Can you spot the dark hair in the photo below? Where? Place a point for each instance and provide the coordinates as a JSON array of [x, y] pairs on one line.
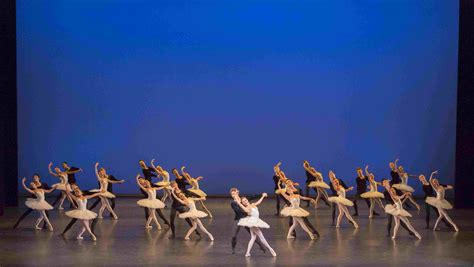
[[64, 162], [174, 169], [35, 174], [384, 179], [358, 169]]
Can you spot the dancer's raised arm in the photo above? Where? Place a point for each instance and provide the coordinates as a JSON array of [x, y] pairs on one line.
[[50, 171], [138, 182], [396, 165], [367, 170], [25, 187], [96, 166], [264, 195]]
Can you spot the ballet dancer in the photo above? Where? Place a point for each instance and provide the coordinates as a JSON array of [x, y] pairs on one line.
[[193, 214], [318, 185], [342, 202], [361, 182], [403, 185], [82, 213], [40, 185], [103, 173], [71, 172], [239, 214], [279, 187], [253, 222], [332, 178], [296, 212], [394, 173], [151, 203], [194, 182], [429, 192], [439, 202], [165, 183], [373, 195], [398, 213], [389, 201], [177, 207], [104, 194], [63, 186], [39, 203]]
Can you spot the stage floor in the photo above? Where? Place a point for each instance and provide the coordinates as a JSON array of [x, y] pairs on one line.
[[126, 242]]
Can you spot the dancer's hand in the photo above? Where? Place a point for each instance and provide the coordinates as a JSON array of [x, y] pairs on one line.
[[264, 195], [96, 164], [50, 164], [24, 179]]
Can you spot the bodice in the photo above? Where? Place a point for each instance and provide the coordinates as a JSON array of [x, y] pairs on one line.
[[254, 212], [82, 204], [166, 177], [373, 186], [295, 202], [151, 194], [63, 178], [194, 183], [341, 193], [440, 193], [104, 182], [191, 204], [404, 178], [39, 195]]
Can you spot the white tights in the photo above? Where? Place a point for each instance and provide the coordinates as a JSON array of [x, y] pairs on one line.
[[254, 233]]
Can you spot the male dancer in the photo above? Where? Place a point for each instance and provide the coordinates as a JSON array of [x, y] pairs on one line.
[[394, 174], [177, 206], [429, 192], [39, 184], [388, 200], [361, 182], [239, 214], [310, 178], [71, 173]]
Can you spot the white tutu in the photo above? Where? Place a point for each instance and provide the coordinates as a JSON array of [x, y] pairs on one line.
[[36, 204], [198, 192], [294, 212], [280, 191], [62, 187], [392, 210], [404, 188], [342, 200], [318, 184], [444, 204], [373, 194], [81, 214], [106, 194], [252, 222], [151, 203], [193, 214], [160, 184]]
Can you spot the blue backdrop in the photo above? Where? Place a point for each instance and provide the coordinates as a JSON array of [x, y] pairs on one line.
[[229, 88]]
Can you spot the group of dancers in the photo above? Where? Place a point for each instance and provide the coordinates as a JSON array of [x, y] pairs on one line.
[[184, 193]]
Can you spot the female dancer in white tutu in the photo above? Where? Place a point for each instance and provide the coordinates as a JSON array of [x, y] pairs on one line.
[[193, 214], [151, 203], [82, 213], [39, 203], [165, 183], [341, 201], [403, 186], [296, 212], [194, 182], [398, 213], [319, 185], [253, 222], [439, 202], [104, 194], [63, 185], [373, 195]]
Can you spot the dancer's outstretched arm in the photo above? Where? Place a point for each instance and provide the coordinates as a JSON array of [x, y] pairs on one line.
[[50, 190], [396, 165], [25, 187], [96, 166], [50, 171], [264, 195], [138, 183]]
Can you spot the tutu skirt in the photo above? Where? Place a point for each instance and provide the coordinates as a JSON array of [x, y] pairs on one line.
[[294, 212], [198, 192], [318, 184], [373, 194], [280, 191], [160, 184], [62, 187], [192, 214], [34, 204], [106, 194], [252, 222], [151, 203], [404, 188], [392, 210], [341, 200], [444, 204], [81, 214]]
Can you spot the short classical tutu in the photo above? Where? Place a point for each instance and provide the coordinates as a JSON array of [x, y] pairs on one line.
[[106, 194], [81, 214], [252, 222], [151, 203], [193, 214], [392, 210], [318, 184], [294, 212], [444, 204], [62, 187], [372, 195], [160, 184], [280, 191], [404, 187], [35, 204], [342, 200], [198, 192]]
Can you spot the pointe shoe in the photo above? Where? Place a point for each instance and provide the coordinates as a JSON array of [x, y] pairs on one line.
[[148, 227], [211, 237], [116, 217], [60, 208], [37, 227], [94, 238], [79, 238], [100, 217], [247, 255], [290, 237], [338, 226], [186, 238], [456, 229], [311, 236], [273, 253], [370, 216], [393, 237], [50, 228], [418, 236], [356, 226]]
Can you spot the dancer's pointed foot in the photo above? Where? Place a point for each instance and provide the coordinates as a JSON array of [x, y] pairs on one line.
[[273, 252], [247, 255], [79, 237], [94, 238], [148, 227], [290, 237], [37, 227]]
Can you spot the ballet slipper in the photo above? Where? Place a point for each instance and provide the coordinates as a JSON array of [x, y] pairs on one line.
[[149, 227], [273, 252], [60, 208], [94, 238], [37, 228], [290, 237], [80, 238], [211, 237], [311, 236], [247, 255], [186, 238]]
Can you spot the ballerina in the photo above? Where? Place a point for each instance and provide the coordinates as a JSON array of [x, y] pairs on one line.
[[403, 185], [104, 194], [39, 203], [193, 214], [342, 202], [253, 222], [397, 211], [429, 192], [373, 195], [439, 202], [63, 186], [151, 203], [194, 182], [82, 213], [318, 185], [296, 212], [165, 183]]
